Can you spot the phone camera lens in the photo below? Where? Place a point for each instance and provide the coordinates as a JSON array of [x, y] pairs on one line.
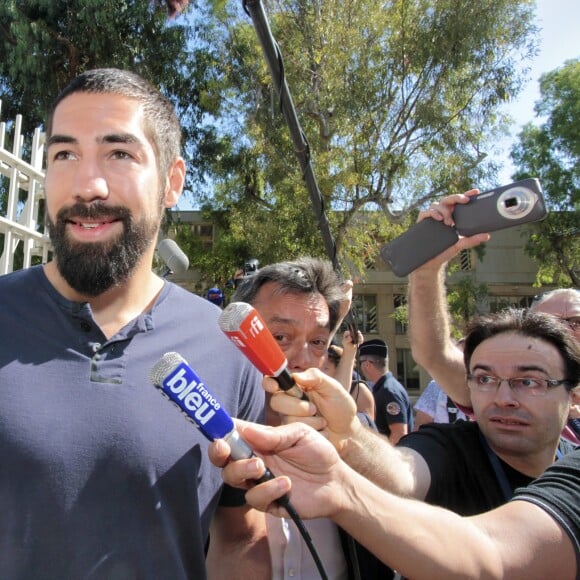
[[511, 202], [516, 203]]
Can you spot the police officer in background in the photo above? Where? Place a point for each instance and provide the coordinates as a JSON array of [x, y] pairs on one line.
[[393, 411]]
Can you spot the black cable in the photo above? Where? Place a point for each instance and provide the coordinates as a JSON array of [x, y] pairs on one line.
[[284, 502], [275, 62]]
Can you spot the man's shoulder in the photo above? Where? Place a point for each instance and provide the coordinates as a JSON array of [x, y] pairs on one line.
[[459, 434], [566, 447], [20, 277], [390, 383], [184, 303], [178, 292], [190, 324], [21, 288], [448, 447]]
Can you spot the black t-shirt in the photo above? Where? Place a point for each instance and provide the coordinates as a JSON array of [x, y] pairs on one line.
[[462, 476]]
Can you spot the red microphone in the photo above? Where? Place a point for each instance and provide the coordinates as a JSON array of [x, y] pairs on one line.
[[244, 326]]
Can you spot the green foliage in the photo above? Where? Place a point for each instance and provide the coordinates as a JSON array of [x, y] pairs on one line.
[[46, 43], [462, 298], [551, 151], [401, 314], [398, 101]]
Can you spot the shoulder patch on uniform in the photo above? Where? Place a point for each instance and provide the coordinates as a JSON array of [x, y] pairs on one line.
[[393, 409]]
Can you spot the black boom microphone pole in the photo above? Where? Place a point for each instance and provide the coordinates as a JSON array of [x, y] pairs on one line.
[[275, 62]]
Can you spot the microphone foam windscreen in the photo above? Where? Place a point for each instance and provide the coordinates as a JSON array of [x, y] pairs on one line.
[[233, 315], [168, 362], [173, 256]]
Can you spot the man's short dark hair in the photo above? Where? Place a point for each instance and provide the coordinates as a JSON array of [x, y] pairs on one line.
[[527, 323], [161, 123], [302, 276]]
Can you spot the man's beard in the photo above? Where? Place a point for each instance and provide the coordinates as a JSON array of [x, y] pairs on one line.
[[91, 268]]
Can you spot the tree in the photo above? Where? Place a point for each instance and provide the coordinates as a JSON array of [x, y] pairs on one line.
[[46, 43], [551, 151], [399, 101], [463, 298]]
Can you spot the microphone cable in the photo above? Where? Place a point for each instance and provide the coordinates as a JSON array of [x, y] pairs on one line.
[[284, 502], [172, 375]]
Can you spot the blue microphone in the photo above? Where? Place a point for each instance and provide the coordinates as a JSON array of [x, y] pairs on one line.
[[179, 383]]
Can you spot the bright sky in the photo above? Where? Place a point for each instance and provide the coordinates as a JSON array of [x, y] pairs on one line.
[[559, 21]]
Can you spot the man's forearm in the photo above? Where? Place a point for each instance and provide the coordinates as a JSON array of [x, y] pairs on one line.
[[344, 368], [422, 541], [430, 333], [412, 537], [398, 470]]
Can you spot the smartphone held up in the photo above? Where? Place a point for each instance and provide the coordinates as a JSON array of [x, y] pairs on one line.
[[504, 207]]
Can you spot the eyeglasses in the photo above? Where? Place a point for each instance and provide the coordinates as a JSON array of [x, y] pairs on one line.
[[522, 385], [573, 323]]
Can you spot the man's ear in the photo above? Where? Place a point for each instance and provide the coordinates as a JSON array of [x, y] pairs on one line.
[[175, 182]]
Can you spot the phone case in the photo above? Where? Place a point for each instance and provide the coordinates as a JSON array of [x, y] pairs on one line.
[[504, 207], [419, 244], [507, 206]]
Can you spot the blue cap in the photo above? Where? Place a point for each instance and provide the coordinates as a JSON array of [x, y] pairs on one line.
[[216, 296]]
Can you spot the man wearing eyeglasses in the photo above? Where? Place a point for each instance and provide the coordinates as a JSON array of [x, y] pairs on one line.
[[429, 327], [524, 372]]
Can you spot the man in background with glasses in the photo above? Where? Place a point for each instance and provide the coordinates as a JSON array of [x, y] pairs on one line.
[[524, 372], [429, 323], [432, 345]]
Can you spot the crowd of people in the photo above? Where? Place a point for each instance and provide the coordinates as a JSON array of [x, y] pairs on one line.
[[508, 477], [102, 478], [510, 463]]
